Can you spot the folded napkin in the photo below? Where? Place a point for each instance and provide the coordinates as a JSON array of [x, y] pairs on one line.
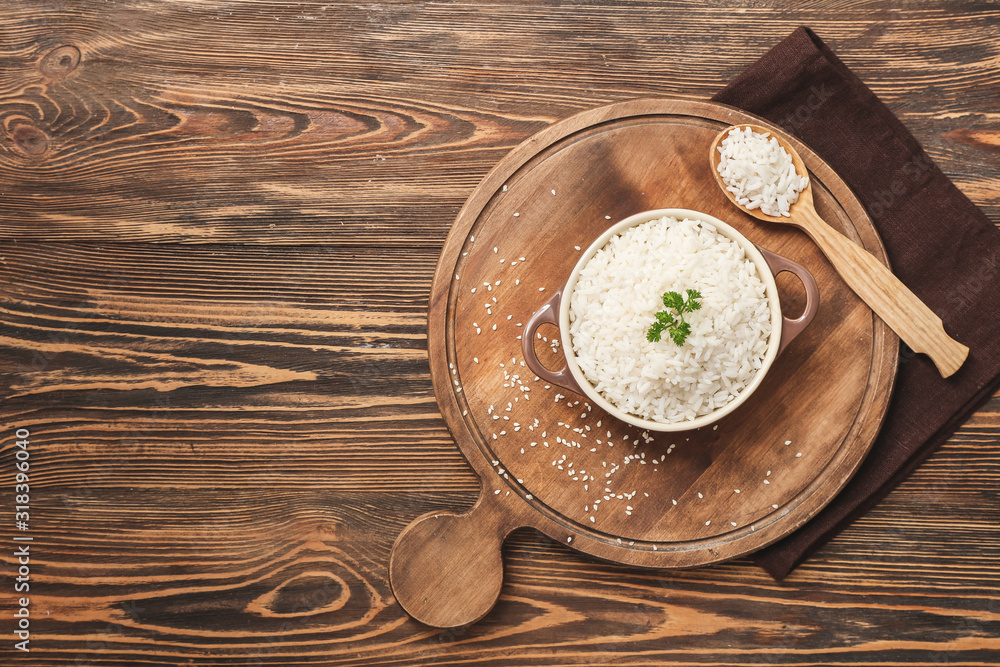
[[939, 244]]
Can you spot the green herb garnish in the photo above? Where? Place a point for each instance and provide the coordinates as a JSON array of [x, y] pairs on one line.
[[672, 323]]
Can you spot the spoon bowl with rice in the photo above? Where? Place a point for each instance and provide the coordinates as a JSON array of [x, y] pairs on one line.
[[764, 176]]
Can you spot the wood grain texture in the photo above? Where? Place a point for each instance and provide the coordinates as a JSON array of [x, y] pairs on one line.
[[219, 226]]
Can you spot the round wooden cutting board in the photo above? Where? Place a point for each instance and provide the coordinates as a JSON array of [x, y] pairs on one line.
[[549, 460]]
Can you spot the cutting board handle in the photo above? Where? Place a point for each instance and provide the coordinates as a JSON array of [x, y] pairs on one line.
[[446, 568], [547, 314]]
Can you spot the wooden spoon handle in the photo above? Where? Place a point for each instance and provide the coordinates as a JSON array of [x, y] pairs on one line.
[[901, 309]]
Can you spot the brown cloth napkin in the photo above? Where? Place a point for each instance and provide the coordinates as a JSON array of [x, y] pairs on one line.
[[939, 244]]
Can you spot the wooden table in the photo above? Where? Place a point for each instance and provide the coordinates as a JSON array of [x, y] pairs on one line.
[[220, 221]]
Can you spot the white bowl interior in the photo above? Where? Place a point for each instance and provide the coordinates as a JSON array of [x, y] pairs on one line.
[[763, 271]]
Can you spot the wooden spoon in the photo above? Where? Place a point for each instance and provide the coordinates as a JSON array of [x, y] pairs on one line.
[[907, 315]]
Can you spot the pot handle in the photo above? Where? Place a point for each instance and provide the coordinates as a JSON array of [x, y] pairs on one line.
[[790, 328], [547, 314]]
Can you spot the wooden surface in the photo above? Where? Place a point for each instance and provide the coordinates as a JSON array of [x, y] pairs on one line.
[[220, 224], [573, 471]]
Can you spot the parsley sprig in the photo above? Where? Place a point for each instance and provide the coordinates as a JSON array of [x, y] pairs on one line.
[[673, 322]]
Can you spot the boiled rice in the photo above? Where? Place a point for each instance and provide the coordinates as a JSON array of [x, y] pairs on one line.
[[759, 172], [620, 289]]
